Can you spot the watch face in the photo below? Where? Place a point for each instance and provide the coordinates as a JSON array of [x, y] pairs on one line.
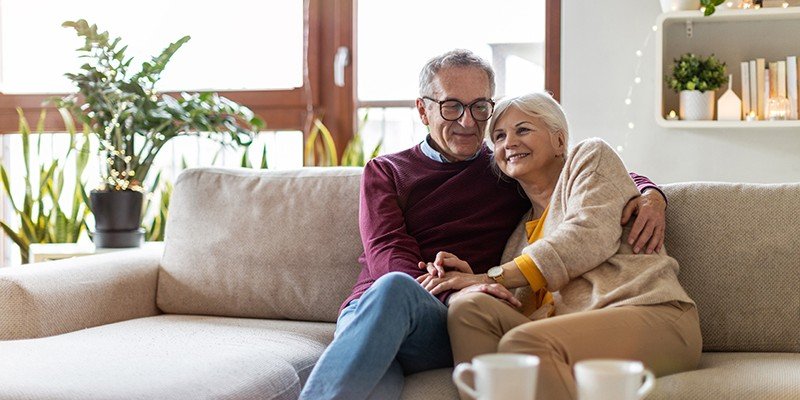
[[494, 272]]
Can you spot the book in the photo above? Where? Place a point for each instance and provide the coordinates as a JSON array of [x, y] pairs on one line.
[[753, 87], [745, 87], [773, 80], [760, 68], [781, 79], [765, 94], [791, 83]]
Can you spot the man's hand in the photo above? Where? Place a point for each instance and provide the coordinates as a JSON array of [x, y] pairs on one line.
[[495, 289], [648, 228], [445, 261], [451, 280]]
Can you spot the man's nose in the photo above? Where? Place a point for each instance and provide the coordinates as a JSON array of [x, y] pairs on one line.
[[466, 119]]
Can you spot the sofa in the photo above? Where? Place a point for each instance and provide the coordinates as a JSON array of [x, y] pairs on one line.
[[243, 298]]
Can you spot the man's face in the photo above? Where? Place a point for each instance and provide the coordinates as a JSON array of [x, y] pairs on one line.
[[456, 140]]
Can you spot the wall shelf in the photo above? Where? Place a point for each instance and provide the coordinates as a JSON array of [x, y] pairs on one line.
[[732, 36]]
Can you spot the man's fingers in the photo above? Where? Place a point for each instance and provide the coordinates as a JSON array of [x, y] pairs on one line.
[[440, 288], [422, 278], [636, 230], [655, 241], [628, 211], [458, 264], [644, 237]]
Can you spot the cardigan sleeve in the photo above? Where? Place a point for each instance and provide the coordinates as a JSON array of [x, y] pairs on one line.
[[596, 189]]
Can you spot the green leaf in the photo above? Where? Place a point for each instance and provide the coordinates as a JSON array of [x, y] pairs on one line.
[[22, 242], [7, 187], [264, 164]]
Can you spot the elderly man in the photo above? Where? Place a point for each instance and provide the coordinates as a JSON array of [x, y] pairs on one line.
[[440, 195]]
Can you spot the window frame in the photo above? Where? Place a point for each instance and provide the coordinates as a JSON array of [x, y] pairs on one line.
[[329, 25]]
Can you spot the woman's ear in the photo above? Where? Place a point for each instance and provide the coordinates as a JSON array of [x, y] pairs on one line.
[[423, 114], [560, 143]]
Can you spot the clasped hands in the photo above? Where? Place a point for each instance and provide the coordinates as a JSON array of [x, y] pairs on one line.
[[448, 272]]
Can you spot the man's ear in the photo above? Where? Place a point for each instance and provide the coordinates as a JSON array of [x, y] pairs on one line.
[[423, 112]]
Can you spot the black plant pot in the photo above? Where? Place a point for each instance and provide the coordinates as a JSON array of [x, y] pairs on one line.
[[118, 216]]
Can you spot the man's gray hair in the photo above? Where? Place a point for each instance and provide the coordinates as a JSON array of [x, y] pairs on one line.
[[454, 58]]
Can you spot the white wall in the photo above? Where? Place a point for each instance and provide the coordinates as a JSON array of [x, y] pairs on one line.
[[598, 61]]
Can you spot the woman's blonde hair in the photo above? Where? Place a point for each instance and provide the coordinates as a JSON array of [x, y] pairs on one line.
[[541, 105]]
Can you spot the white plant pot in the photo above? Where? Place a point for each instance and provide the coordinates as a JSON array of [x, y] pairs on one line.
[[697, 105], [679, 5]]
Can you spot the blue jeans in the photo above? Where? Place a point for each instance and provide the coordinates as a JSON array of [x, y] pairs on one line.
[[396, 328]]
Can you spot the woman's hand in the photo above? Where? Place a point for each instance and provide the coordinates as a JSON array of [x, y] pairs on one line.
[[443, 262], [648, 228], [451, 280], [495, 289]]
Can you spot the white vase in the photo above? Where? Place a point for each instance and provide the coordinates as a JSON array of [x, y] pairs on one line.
[[679, 5], [696, 105]]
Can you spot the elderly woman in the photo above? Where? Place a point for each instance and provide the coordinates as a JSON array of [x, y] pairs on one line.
[[589, 295]]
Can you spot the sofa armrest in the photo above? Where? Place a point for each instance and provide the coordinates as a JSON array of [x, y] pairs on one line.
[[50, 298]]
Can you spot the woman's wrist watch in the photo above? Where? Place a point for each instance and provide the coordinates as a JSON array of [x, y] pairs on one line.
[[496, 273]]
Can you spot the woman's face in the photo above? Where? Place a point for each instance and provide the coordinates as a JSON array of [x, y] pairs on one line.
[[524, 146]]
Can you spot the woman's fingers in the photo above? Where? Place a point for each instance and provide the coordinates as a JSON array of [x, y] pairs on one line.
[[500, 291]]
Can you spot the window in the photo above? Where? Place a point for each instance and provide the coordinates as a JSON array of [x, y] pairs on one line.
[[230, 49], [508, 33]]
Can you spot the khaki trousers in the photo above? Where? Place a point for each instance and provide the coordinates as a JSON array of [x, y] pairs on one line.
[[665, 337]]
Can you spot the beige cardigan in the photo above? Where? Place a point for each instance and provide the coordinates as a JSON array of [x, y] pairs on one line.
[[581, 255]]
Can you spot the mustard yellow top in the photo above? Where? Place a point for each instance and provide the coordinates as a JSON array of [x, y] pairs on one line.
[[529, 268]]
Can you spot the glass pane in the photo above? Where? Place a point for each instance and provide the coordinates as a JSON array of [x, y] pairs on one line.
[[234, 44], [509, 33]]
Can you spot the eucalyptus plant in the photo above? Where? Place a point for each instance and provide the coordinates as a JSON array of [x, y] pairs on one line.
[[691, 72], [133, 121], [41, 218]]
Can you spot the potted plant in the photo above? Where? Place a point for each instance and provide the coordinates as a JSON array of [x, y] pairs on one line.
[[133, 122], [695, 79]]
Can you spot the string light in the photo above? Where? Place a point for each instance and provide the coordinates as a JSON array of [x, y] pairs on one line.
[[637, 79], [785, 4]]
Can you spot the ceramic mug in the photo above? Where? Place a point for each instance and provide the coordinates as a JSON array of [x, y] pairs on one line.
[[499, 376], [613, 380]]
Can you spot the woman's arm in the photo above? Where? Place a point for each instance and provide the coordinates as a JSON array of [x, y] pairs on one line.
[[594, 190]]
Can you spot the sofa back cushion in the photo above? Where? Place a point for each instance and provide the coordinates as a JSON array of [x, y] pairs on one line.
[[261, 244], [738, 246]]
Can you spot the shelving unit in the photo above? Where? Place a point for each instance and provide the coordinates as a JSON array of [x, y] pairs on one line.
[[732, 36]]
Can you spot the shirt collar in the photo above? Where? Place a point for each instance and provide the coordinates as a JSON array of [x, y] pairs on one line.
[[434, 155]]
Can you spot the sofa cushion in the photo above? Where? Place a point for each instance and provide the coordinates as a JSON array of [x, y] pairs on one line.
[[773, 376], [261, 244], [435, 384], [186, 357], [738, 249]]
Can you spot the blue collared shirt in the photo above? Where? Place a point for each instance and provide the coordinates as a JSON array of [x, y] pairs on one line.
[[434, 155]]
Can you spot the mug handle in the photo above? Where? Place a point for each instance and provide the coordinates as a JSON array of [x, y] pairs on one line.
[[458, 372], [648, 384]]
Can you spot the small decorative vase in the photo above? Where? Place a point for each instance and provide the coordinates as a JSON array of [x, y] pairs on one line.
[[679, 5], [697, 105]]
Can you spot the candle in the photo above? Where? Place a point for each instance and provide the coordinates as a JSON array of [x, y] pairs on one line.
[[672, 116]]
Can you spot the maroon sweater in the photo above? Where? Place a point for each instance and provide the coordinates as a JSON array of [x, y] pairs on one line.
[[413, 207]]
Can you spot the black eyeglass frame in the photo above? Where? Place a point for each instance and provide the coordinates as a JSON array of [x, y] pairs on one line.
[[464, 108]]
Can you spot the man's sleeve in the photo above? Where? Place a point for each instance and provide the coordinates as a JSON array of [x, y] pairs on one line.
[[387, 245], [643, 183]]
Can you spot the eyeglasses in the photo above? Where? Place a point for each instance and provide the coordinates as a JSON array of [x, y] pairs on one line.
[[452, 110]]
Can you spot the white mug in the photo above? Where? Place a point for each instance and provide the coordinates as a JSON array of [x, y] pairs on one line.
[[613, 380], [500, 376]]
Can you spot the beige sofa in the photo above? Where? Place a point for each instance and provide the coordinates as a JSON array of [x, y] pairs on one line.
[[244, 297]]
